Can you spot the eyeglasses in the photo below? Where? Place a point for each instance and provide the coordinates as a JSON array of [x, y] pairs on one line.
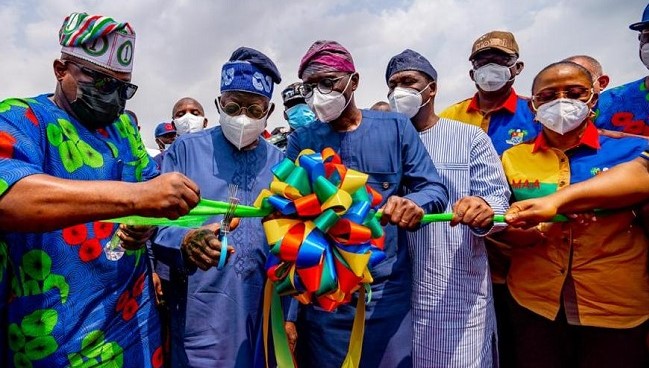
[[493, 58], [106, 84], [254, 111], [324, 85], [574, 93]]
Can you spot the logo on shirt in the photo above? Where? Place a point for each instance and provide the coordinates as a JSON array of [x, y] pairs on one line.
[[596, 170], [525, 184], [516, 136]]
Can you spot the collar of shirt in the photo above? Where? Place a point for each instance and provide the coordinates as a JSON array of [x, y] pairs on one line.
[[590, 138], [509, 104]]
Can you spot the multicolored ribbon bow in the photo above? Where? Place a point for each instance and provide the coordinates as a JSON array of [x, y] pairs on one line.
[[327, 236]]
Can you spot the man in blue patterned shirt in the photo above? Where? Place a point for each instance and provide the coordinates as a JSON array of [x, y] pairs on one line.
[[67, 161]]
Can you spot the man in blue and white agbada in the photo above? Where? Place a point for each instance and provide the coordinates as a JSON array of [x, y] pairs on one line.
[[452, 306], [216, 313]]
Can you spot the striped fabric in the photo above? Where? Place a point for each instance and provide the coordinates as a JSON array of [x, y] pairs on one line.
[[79, 28], [452, 306]]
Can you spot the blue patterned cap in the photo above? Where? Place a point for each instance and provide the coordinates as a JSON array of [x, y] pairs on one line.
[[409, 60], [249, 70]]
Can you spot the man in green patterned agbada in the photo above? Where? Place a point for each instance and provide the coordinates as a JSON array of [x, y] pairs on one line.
[[67, 161]]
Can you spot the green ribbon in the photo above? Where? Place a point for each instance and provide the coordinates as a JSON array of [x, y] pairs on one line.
[[207, 208]]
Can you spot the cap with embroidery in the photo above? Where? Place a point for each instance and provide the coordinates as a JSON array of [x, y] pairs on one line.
[[98, 39], [249, 70], [164, 128], [500, 40], [291, 94]]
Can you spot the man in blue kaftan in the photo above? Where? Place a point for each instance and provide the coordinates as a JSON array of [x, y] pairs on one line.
[[386, 147], [216, 313]]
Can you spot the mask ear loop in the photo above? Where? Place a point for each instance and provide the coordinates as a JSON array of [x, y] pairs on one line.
[[429, 98], [345, 89]]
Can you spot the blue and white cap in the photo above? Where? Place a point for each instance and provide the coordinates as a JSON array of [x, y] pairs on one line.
[[249, 70]]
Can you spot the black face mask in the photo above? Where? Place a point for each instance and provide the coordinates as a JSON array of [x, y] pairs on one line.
[[96, 109]]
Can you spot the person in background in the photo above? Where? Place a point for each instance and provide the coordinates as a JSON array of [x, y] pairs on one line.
[[381, 106], [507, 119], [579, 290], [69, 160], [296, 113], [600, 79], [165, 135], [454, 323], [215, 313], [387, 148], [188, 116], [625, 108]]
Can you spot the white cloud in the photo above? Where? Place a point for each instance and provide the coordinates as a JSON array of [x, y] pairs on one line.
[[181, 45]]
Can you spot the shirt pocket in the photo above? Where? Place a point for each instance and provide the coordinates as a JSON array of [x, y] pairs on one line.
[[385, 183]]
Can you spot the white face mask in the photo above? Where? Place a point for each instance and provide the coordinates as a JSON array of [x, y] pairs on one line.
[[330, 106], [563, 115], [492, 77], [644, 54], [241, 130], [406, 100], [189, 123]]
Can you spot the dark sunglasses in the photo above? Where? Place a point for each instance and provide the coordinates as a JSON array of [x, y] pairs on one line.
[[324, 85], [254, 111], [106, 84]]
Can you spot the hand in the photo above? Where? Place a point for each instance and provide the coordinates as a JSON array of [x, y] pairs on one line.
[[472, 211], [401, 212], [169, 195], [134, 237], [583, 218], [157, 287], [530, 212], [203, 247], [291, 334]]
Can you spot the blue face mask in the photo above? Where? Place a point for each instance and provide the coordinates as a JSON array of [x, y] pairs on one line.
[[299, 116]]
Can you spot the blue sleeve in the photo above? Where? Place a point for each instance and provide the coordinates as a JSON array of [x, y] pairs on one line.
[[21, 143], [168, 239], [293, 147], [488, 179], [419, 174], [290, 307]]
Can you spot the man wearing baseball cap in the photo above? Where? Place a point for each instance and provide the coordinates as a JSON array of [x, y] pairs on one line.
[[296, 113], [165, 135], [625, 108], [508, 121], [67, 161]]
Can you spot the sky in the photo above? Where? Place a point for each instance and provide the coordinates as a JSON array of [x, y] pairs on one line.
[[182, 44]]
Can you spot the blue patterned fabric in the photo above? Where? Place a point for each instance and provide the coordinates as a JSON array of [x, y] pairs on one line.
[[63, 302], [216, 314], [624, 108]]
